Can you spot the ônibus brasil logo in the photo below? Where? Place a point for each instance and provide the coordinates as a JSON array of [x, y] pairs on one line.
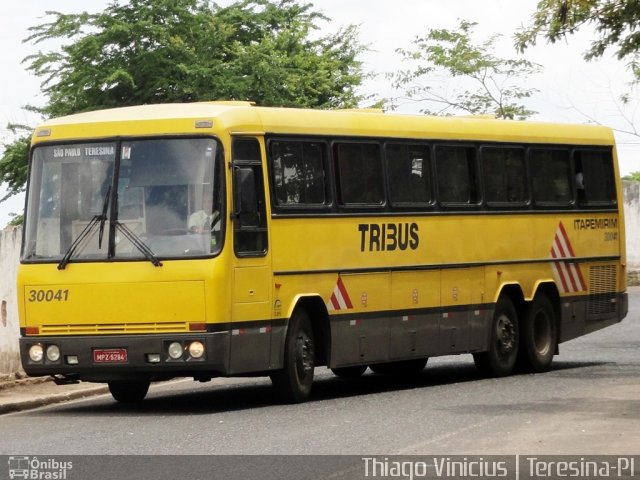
[[33, 468]]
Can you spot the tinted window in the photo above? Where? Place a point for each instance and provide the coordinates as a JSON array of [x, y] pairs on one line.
[[246, 149], [250, 224], [594, 177], [504, 175], [456, 175], [408, 173], [551, 176], [298, 173], [359, 173]]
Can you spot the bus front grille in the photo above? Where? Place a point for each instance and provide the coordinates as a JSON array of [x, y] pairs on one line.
[[113, 328]]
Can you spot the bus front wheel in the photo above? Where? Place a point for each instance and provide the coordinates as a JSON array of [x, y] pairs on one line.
[[293, 382], [129, 391], [501, 357], [539, 336]]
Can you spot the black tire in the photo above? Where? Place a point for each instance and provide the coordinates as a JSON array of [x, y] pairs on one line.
[[129, 391], [293, 383], [539, 336], [349, 372], [403, 367], [500, 359]]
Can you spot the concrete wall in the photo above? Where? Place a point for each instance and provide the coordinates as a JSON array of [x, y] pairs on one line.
[[10, 253], [9, 326], [632, 226]]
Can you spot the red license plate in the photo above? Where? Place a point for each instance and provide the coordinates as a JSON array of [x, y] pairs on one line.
[[110, 355]]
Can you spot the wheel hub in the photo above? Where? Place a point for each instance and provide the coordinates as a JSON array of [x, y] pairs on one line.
[[304, 356], [506, 334]]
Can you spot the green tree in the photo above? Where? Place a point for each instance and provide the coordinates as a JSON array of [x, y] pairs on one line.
[[634, 176], [161, 51], [453, 54], [616, 23], [617, 28], [13, 163]]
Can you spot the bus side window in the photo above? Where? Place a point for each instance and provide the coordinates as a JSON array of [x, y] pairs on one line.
[[409, 174], [359, 173], [504, 175], [456, 170], [298, 170], [594, 177], [551, 175]]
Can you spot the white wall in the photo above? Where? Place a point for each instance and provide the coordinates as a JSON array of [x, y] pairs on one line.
[[10, 254], [632, 226], [9, 326]]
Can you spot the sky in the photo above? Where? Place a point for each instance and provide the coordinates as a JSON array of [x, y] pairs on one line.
[[570, 89]]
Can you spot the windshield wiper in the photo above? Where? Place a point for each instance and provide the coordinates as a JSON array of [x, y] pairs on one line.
[[102, 218], [139, 244]]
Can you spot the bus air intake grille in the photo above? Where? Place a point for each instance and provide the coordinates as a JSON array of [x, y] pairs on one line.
[[113, 328], [602, 288]]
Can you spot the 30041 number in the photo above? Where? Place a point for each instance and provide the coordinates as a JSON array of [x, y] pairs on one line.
[[48, 295]]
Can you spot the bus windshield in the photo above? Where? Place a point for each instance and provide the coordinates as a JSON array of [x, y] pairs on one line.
[[165, 200]]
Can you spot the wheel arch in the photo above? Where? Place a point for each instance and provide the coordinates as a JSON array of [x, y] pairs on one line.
[[514, 292], [319, 316]]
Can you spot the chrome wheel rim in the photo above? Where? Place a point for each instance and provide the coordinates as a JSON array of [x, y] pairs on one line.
[[304, 356], [505, 334]]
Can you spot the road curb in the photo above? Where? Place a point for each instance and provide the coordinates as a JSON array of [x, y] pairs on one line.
[[10, 382], [28, 404]]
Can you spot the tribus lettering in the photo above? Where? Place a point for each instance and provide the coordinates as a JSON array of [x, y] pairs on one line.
[[388, 236]]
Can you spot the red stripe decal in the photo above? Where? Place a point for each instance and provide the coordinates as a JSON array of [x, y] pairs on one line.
[[566, 239], [334, 302], [558, 268], [583, 284], [343, 292], [572, 277]]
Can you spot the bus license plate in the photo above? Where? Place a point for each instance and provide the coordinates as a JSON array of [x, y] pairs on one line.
[[110, 355]]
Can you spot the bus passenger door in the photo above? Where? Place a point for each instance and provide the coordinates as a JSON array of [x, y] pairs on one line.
[[250, 310]]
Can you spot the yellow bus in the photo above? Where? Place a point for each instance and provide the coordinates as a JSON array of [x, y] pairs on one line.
[[222, 239]]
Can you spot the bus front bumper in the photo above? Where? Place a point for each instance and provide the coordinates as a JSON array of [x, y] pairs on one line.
[[101, 358]]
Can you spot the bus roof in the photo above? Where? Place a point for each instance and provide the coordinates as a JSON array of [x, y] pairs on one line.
[[244, 117]]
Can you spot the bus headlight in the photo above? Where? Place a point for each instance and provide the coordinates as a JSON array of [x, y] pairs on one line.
[[196, 349], [53, 353], [36, 353], [175, 350]]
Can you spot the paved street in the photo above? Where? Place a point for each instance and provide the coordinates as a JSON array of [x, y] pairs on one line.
[[588, 404]]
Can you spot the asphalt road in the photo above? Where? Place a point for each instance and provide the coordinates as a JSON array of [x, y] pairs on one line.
[[588, 404]]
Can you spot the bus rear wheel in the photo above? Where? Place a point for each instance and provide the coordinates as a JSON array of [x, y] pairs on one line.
[[293, 383], [349, 372], [126, 391], [539, 336], [501, 357]]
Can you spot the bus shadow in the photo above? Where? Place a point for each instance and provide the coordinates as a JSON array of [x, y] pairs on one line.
[[260, 394]]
